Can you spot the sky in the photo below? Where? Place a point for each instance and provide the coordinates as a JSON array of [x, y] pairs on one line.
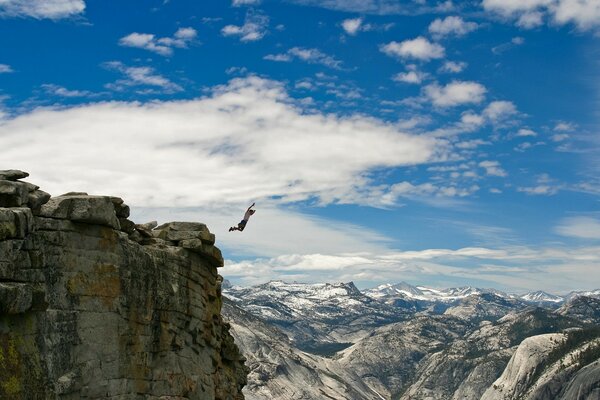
[[440, 143]]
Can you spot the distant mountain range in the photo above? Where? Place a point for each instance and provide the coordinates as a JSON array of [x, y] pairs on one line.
[[333, 341]]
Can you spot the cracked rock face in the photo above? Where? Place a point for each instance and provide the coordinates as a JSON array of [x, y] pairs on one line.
[[92, 306]]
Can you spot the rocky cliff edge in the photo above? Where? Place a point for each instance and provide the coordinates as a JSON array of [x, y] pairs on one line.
[[94, 306]]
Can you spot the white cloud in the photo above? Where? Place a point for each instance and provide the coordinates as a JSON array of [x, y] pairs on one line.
[[580, 227], [453, 67], [352, 26], [498, 110], [42, 9], [246, 141], [543, 190], [565, 127], [419, 48], [509, 267], [139, 76], [451, 26], [455, 93], [254, 28], [532, 19], [311, 56], [525, 132], [559, 137], [5, 69], [585, 14], [238, 3], [162, 46], [492, 168], [414, 77], [63, 92]]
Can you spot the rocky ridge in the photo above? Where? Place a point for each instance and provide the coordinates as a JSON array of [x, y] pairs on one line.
[[93, 305]]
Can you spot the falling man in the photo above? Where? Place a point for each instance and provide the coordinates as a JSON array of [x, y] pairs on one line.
[[244, 221]]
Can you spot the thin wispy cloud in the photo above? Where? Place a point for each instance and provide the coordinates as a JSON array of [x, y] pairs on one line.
[[311, 56], [582, 227], [5, 69], [61, 91], [352, 26], [163, 46], [139, 76], [254, 27], [42, 9], [239, 3], [509, 267], [451, 26], [492, 168], [453, 67]]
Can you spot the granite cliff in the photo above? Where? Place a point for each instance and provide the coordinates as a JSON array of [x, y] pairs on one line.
[[94, 306]]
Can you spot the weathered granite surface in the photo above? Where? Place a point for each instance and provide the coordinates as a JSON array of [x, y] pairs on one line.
[[93, 306]]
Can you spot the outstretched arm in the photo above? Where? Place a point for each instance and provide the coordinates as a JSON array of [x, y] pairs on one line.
[[250, 207]]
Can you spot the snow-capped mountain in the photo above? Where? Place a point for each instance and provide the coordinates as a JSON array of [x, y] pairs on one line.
[[378, 349], [588, 293], [542, 298], [423, 293], [318, 317]]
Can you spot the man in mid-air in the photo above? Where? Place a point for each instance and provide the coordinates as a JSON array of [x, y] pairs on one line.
[[244, 221]]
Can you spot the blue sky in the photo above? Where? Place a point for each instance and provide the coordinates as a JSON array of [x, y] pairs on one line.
[[435, 142]]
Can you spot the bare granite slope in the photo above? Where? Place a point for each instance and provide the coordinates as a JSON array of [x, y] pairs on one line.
[[93, 306]]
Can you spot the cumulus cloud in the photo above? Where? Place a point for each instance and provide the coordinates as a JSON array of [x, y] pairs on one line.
[[451, 26], [139, 76], [311, 56], [254, 28], [419, 48], [5, 69], [498, 110], [413, 75], [163, 46], [585, 14], [492, 168], [244, 141], [42, 9], [455, 93], [580, 227], [453, 67], [525, 132], [352, 26]]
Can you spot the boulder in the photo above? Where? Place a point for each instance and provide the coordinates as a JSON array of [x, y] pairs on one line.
[[177, 231], [147, 226], [211, 253], [13, 194], [121, 208], [183, 226], [12, 174], [82, 208], [37, 198]]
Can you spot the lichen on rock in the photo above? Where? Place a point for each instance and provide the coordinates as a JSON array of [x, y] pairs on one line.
[[93, 305]]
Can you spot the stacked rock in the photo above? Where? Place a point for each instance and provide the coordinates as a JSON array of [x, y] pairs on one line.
[[15, 193]]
